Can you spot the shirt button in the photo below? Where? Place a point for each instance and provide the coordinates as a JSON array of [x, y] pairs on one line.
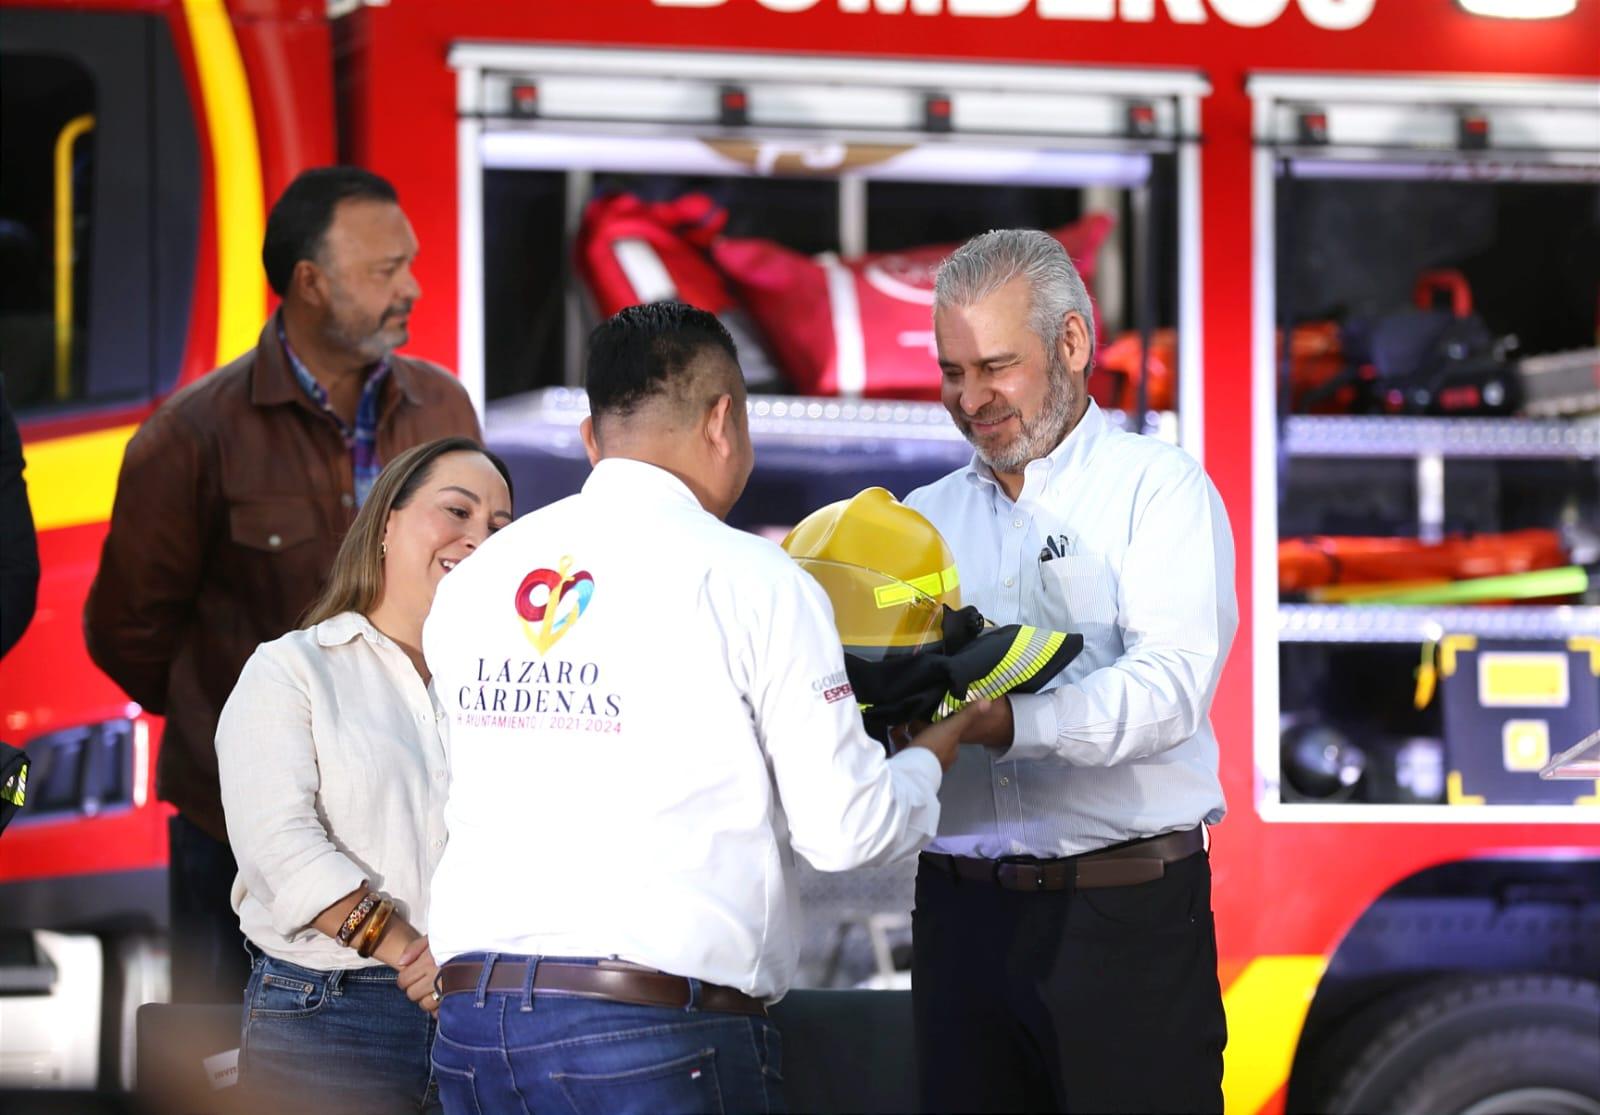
[[1010, 581], [274, 540], [1016, 522], [439, 775], [1004, 781], [348, 500], [437, 844]]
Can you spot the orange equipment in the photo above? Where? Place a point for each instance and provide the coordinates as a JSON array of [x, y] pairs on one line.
[[1308, 563]]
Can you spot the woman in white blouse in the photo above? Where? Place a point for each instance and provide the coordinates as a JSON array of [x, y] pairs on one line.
[[333, 774]]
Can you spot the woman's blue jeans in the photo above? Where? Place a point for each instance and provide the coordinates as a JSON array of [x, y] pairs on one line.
[[343, 1041], [500, 1052]]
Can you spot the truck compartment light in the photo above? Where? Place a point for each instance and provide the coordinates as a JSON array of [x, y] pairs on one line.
[[733, 106], [525, 99], [1472, 131], [1141, 116], [1311, 127]]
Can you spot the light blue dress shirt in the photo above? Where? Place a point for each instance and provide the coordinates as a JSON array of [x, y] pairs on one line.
[[1124, 540]]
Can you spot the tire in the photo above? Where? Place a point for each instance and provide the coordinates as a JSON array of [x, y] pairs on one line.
[[1508, 1045]]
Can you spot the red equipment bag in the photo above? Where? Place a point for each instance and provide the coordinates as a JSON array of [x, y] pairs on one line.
[[631, 251], [834, 326], [860, 326]]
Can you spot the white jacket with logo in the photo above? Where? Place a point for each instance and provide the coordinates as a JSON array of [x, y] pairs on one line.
[[648, 718]]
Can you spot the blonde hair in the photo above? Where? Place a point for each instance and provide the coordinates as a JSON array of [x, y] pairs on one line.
[[356, 579]]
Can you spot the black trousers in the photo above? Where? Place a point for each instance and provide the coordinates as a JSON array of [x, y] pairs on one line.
[[209, 963], [1098, 1000]]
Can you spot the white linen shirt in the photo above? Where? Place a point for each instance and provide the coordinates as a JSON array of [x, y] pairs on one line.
[[632, 775], [1140, 563], [333, 772]]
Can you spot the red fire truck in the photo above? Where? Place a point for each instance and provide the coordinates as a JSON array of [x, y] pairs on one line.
[[1409, 917]]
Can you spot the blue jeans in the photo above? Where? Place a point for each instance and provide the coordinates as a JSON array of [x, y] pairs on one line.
[[500, 1052], [343, 1041]]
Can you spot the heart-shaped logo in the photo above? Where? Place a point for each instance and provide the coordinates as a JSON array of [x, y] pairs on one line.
[[550, 602]]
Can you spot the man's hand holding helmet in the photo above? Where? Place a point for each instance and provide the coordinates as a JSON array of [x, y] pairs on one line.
[[912, 652], [990, 723], [945, 738]]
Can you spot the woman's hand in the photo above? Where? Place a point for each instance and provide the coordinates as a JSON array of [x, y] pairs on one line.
[[417, 970]]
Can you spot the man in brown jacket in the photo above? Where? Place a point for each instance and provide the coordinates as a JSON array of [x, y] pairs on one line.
[[233, 498]]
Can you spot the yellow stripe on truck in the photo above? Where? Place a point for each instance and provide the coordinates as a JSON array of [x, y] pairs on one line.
[[236, 170], [1266, 1009], [72, 480]]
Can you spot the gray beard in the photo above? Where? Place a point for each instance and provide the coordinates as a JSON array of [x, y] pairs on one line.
[[372, 347], [1037, 438], [371, 344]]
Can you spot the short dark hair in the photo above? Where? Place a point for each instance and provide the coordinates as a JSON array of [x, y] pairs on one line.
[[640, 351], [302, 214]]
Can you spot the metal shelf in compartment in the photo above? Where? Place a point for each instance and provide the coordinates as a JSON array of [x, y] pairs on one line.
[[1508, 438], [775, 418], [1333, 623]]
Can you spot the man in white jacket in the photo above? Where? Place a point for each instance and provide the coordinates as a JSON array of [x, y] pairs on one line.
[[649, 717]]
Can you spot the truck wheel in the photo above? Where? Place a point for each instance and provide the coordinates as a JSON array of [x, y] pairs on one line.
[[1507, 1045]]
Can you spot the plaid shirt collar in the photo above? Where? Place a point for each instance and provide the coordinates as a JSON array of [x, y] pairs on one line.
[[362, 438]]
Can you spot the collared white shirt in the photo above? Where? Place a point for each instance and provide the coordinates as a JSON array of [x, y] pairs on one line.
[[333, 771], [1124, 540], [632, 773]]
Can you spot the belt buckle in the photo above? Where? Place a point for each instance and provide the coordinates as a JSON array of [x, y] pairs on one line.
[[1022, 876]]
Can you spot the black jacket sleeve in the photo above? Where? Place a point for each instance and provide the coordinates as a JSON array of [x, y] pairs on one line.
[[19, 548]]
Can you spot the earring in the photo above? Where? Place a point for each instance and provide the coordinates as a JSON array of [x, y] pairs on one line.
[[383, 550]]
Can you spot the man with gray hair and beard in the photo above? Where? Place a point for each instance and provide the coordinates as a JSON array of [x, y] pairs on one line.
[[1065, 958]]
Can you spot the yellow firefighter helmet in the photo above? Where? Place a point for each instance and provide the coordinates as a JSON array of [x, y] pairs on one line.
[[885, 568]]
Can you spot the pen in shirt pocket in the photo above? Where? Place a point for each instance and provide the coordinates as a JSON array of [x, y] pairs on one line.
[[1057, 545]]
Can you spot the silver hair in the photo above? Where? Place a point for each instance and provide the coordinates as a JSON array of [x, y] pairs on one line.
[[986, 263]]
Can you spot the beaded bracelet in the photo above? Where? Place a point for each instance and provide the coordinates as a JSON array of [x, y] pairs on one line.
[[356, 916], [375, 927]]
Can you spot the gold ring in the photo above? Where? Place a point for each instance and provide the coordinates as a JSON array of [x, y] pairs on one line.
[[436, 996]]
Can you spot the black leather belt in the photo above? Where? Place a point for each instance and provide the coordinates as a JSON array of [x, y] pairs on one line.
[[1122, 865], [613, 980]]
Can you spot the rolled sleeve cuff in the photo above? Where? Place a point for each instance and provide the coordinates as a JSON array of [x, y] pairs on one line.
[[314, 887], [1036, 726]]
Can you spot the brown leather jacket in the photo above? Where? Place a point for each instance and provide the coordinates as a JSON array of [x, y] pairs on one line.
[[233, 498]]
